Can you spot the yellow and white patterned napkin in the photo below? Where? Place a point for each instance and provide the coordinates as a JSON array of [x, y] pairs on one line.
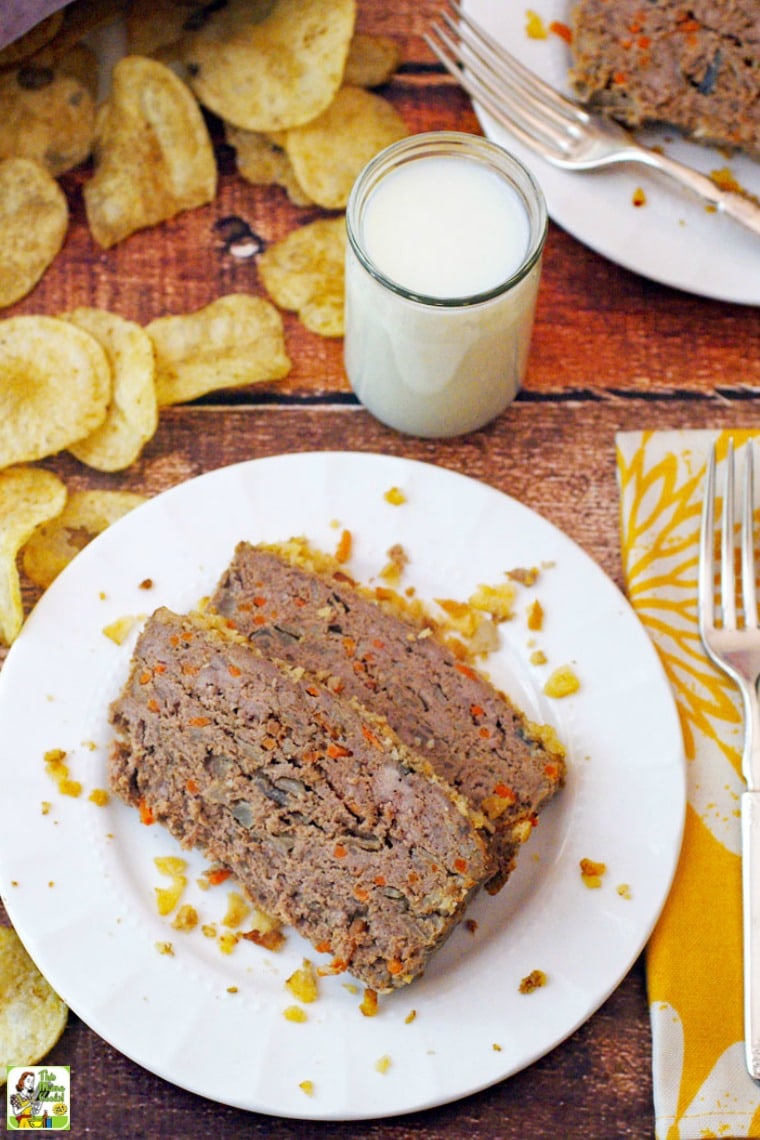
[[694, 967]]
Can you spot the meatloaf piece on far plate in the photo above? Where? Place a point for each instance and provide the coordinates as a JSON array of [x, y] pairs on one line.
[[300, 605], [326, 819], [695, 66]]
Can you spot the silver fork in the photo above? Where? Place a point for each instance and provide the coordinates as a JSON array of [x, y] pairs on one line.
[[731, 636], [557, 128]]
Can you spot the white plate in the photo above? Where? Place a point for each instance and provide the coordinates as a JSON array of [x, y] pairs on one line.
[[78, 881], [672, 239]]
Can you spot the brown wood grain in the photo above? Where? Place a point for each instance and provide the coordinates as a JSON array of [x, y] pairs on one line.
[[611, 352]]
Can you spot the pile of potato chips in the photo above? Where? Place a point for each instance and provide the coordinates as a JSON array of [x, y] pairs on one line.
[[287, 78]]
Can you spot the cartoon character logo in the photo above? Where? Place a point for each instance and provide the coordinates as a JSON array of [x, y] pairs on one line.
[[28, 1109]]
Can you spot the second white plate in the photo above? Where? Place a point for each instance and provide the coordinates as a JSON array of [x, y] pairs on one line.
[[671, 239]]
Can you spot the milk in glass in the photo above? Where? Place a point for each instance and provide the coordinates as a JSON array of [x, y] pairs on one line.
[[445, 235]]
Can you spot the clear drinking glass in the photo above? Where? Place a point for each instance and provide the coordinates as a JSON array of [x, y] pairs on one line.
[[435, 365]]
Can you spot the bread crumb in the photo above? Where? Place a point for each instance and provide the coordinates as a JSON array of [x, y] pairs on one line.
[[57, 768], [368, 1004], [533, 981], [165, 948], [537, 657], [562, 683], [46, 807], [638, 198], [383, 1064], [624, 890], [295, 1013], [592, 873], [535, 615], [99, 796], [167, 898], [307, 1087], [395, 496], [227, 942], [302, 983], [496, 1048], [118, 631], [237, 910], [535, 28], [410, 1017], [186, 918]]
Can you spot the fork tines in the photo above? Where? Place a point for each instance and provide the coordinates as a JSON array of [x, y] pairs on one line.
[[508, 90], [735, 610]]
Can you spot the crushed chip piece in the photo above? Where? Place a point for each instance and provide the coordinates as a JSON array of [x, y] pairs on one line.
[[47, 364], [29, 496], [34, 217], [305, 272], [236, 340], [330, 151], [47, 116], [32, 1015], [153, 153], [85, 514], [132, 415], [269, 64]]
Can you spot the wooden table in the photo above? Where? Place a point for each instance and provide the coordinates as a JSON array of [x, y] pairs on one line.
[[611, 351]]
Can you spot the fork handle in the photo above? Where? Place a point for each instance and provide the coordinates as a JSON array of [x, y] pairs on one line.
[[740, 207], [750, 813]]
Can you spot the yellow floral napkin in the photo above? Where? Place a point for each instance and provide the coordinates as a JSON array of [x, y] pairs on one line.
[[694, 968]]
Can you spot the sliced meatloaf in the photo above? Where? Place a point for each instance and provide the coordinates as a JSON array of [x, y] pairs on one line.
[[325, 818], [694, 65], [302, 607]]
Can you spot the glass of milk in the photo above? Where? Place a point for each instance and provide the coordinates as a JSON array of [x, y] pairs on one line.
[[445, 237]]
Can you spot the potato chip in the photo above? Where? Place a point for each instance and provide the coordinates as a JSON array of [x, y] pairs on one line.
[[234, 341], [262, 162], [268, 64], [85, 515], [159, 26], [328, 153], [305, 272], [47, 116], [372, 60], [80, 17], [55, 384], [34, 217], [30, 42], [29, 496], [153, 154], [132, 416], [81, 62], [32, 1015]]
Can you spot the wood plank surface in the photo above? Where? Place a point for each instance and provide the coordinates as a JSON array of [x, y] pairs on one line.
[[611, 352]]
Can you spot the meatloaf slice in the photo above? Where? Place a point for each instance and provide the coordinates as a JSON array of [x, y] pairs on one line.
[[326, 819], [695, 66], [300, 606]]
